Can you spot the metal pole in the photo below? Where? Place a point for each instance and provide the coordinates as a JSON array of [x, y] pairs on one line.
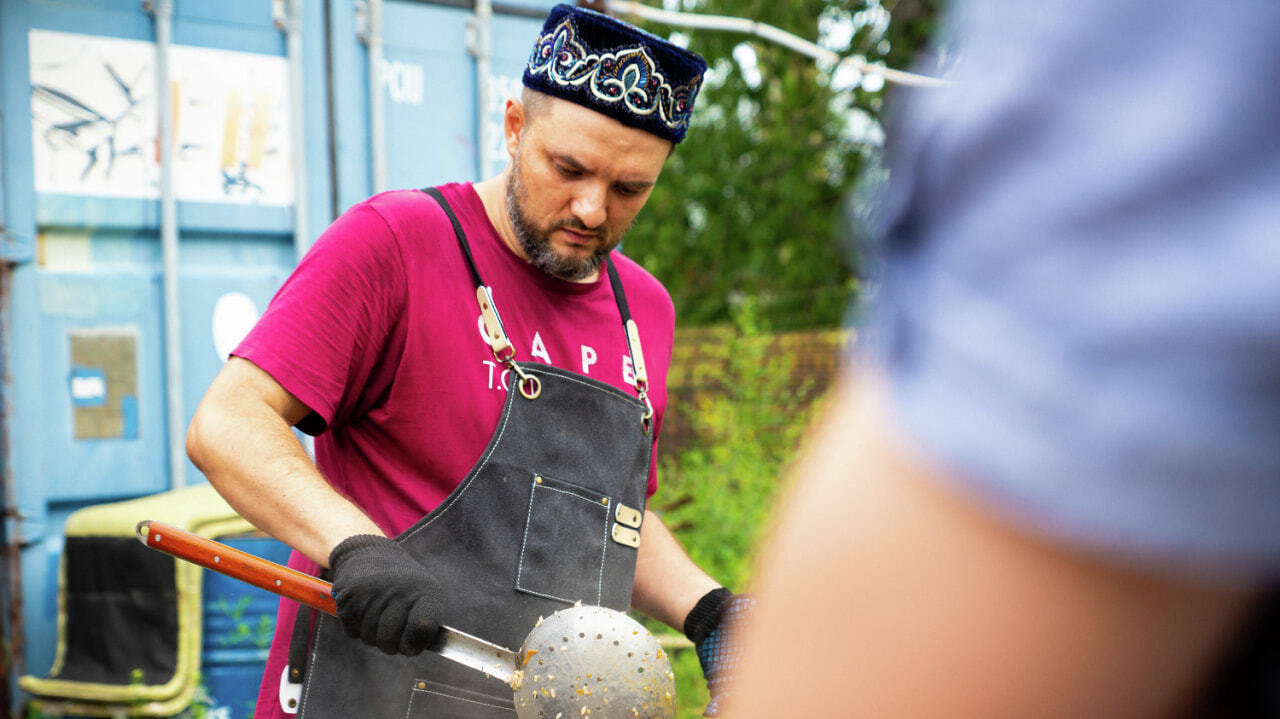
[[767, 32], [12, 633], [162, 15], [483, 50], [292, 27], [377, 105], [11, 561]]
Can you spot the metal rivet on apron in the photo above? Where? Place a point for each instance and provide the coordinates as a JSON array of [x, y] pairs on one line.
[[537, 480], [625, 536], [605, 501], [629, 516], [422, 685]]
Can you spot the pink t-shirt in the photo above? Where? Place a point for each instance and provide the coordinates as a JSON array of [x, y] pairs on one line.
[[379, 333]]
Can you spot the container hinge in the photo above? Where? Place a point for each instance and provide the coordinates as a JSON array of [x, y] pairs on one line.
[[279, 14], [13, 519], [362, 21], [14, 247], [473, 37]]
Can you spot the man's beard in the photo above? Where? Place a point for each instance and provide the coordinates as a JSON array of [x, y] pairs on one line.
[[536, 241]]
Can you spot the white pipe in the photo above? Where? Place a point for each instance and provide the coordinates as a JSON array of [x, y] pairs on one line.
[[483, 51], [377, 103], [162, 15], [771, 33], [297, 126]]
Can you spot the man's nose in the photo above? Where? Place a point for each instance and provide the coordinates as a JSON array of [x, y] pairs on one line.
[[589, 205]]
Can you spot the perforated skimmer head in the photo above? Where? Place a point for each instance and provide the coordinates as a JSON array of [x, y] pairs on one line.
[[593, 662]]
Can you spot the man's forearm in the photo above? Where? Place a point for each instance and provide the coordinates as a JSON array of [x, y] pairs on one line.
[[244, 445], [668, 583]]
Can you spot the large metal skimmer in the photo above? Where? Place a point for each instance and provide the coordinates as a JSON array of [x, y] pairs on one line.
[[582, 661]]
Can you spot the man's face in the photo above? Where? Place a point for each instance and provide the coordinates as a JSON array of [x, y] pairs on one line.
[[577, 180]]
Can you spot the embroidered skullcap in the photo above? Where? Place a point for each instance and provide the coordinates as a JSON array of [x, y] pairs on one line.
[[616, 69]]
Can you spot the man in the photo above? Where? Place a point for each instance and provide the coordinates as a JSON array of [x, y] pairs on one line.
[[473, 365], [1052, 490]]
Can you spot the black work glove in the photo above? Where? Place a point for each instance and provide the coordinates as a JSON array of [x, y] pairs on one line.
[[385, 598], [715, 626]]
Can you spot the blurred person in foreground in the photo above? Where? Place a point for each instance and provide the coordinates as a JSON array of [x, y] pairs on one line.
[[472, 471], [1050, 486]]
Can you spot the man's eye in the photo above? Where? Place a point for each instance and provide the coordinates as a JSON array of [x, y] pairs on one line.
[[568, 171], [626, 191]]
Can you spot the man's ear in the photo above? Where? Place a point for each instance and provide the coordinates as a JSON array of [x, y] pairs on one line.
[[513, 124]]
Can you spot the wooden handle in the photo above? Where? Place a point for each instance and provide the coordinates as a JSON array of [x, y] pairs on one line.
[[218, 557]]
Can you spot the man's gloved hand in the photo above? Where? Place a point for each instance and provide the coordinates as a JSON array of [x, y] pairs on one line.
[[715, 625], [385, 597]]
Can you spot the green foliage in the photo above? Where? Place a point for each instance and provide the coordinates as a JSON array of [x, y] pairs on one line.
[[244, 631], [748, 230], [200, 704], [747, 422], [717, 494], [751, 204]]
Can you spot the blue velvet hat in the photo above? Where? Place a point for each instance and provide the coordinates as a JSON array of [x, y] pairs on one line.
[[616, 69]]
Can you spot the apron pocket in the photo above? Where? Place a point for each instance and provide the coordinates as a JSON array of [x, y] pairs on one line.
[[433, 700], [565, 536]]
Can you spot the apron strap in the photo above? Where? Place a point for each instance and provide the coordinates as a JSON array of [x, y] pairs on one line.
[[298, 643], [295, 671], [457, 232], [633, 344], [505, 352]]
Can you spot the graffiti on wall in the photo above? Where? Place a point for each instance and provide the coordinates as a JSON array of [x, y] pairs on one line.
[[94, 120]]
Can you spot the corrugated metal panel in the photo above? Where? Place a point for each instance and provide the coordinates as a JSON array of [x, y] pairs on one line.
[[431, 107], [85, 387]]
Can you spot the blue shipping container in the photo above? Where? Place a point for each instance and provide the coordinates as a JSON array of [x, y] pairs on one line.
[[114, 321]]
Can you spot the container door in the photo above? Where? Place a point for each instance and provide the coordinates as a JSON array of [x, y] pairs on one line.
[[430, 132], [86, 394]]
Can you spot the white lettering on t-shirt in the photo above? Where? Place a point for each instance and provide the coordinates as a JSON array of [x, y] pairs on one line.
[[628, 372], [588, 358], [493, 375], [539, 349]]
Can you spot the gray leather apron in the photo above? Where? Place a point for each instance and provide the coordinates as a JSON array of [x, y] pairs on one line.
[[548, 516]]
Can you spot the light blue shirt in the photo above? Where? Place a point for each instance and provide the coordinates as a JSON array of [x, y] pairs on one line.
[[1080, 309]]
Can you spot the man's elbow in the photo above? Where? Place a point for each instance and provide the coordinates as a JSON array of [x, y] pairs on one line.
[[200, 445]]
